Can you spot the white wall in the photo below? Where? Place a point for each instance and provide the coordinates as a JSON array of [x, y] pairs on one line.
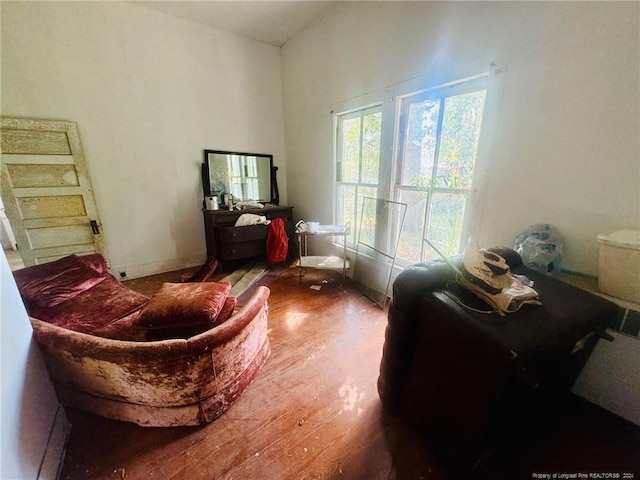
[[566, 149], [149, 92], [31, 424]]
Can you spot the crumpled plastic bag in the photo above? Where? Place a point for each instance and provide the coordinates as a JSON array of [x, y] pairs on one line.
[[540, 247]]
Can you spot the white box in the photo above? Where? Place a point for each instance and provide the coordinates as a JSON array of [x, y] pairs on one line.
[[619, 264]]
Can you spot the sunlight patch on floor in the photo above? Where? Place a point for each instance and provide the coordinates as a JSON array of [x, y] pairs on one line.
[[294, 319]]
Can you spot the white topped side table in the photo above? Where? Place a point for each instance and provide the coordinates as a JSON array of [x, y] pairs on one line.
[[327, 262]]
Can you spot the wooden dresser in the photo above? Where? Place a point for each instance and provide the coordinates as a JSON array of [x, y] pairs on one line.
[[227, 242]]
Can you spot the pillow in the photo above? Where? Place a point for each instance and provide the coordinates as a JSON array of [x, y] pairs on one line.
[[181, 310], [227, 310], [52, 283]]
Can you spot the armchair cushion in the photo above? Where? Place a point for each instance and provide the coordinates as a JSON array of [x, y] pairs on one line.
[[94, 308], [53, 283], [182, 310]]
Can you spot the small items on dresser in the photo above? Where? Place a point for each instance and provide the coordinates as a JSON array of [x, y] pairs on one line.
[[211, 202]]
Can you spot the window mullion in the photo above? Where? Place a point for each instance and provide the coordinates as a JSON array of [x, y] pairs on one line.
[[403, 125], [425, 225], [361, 145], [338, 133], [356, 209], [436, 154]]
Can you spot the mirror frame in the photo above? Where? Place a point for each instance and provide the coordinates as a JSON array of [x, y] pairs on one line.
[[207, 170]]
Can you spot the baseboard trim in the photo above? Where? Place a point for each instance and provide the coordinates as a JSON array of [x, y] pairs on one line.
[[144, 270], [54, 454]]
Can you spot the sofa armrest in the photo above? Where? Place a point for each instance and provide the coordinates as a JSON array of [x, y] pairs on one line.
[[418, 279]]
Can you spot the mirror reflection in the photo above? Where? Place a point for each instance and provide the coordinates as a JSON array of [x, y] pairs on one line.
[[247, 176]]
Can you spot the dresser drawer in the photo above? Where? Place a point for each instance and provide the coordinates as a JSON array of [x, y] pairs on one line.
[[234, 251], [249, 233]]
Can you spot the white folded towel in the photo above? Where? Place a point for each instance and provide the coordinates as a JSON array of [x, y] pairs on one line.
[[251, 219]]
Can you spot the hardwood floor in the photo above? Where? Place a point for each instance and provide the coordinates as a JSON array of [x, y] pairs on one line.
[[312, 412]]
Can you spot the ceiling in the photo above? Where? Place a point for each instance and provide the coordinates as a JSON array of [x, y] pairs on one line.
[[272, 22]]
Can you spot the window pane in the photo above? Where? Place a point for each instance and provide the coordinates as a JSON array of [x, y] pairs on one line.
[[346, 204], [420, 143], [350, 149], [380, 229], [365, 192], [411, 238], [446, 214], [459, 139], [371, 147], [367, 225]]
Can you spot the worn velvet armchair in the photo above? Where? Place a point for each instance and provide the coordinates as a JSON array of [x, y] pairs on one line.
[[181, 357]]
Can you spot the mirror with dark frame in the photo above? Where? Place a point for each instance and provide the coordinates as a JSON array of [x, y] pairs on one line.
[[247, 176]]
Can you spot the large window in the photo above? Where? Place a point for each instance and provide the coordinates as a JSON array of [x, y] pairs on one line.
[[358, 163], [437, 146], [434, 134]]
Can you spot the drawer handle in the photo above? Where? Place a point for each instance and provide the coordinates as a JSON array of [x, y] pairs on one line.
[[233, 252]]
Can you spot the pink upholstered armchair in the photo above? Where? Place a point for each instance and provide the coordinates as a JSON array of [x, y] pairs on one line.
[[170, 360]]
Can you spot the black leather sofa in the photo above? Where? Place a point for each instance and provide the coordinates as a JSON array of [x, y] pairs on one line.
[[469, 382]]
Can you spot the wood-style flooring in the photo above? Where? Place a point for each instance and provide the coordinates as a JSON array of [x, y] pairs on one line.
[[313, 411]]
